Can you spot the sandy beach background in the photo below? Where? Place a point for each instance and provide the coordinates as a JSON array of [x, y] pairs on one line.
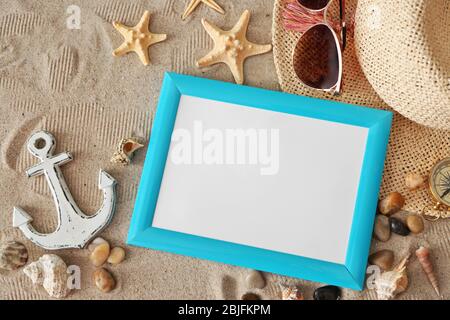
[[68, 83]]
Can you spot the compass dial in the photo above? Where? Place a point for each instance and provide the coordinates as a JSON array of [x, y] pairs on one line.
[[440, 182]]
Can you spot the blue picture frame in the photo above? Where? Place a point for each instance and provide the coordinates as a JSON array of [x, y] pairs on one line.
[[349, 275]]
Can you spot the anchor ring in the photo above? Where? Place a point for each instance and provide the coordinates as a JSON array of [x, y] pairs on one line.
[[41, 144]]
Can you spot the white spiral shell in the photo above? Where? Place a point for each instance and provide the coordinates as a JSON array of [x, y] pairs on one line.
[[391, 283]]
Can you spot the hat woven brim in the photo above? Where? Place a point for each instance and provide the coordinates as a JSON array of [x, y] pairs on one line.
[[412, 147]]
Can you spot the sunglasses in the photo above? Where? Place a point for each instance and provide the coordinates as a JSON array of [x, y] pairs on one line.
[[317, 56]]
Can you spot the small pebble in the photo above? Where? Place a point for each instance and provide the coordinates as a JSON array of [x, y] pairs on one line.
[[100, 254], [414, 181], [95, 243], [393, 202], [384, 259], [116, 256], [327, 293], [104, 280], [382, 229], [415, 223], [250, 296], [398, 227], [255, 280]]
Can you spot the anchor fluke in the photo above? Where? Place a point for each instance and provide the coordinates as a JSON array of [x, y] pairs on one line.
[[105, 180], [20, 217]]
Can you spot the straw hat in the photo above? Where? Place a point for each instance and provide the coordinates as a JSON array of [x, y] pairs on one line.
[[412, 147], [404, 50]]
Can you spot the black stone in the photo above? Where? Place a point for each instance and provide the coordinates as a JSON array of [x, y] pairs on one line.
[[327, 293], [398, 227]]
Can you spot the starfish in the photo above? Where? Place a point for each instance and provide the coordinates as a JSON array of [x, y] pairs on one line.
[[232, 47], [194, 3], [137, 38]]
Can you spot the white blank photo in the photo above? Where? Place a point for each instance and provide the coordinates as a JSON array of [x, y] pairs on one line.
[[261, 178]]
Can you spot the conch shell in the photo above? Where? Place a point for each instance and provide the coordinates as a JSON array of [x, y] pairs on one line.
[[125, 151], [423, 254], [291, 293], [13, 255], [391, 283], [50, 271]]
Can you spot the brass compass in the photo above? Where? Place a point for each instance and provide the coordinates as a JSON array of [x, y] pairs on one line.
[[439, 188]]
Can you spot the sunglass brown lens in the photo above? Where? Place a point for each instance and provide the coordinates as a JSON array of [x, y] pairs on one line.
[[314, 4], [316, 60]]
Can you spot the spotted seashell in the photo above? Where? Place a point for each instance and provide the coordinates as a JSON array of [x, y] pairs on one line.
[[391, 283], [125, 151], [423, 255], [13, 255]]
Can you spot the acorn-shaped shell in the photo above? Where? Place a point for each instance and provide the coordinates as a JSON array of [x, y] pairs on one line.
[[13, 255], [423, 255], [125, 151], [392, 283]]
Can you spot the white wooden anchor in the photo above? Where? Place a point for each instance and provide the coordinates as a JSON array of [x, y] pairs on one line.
[[75, 229]]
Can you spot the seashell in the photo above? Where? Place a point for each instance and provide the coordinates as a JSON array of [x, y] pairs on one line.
[[423, 254], [13, 255], [291, 293], [137, 38], [391, 283], [393, 202], [125, 151], [50, 271], [414, 181]]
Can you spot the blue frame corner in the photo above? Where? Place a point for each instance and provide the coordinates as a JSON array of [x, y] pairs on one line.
[[352, 273]]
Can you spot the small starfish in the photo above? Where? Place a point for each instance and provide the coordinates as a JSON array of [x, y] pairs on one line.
[[232, 47], [194, 3], [137, 38]]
